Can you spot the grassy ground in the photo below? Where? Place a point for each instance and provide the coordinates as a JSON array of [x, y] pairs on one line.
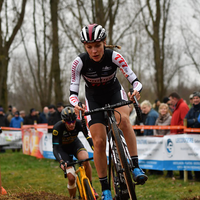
[[22, 173]]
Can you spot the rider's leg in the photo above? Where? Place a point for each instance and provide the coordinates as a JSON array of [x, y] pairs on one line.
[[81, 156], [98, 132], [71, 175], [127, 129], [130, 138]]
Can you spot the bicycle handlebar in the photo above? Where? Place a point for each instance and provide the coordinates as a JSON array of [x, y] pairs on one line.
[[117, 105], [78, 162]]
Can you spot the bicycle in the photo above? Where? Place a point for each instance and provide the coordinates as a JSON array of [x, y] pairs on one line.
[[83, 183], [120, 163]]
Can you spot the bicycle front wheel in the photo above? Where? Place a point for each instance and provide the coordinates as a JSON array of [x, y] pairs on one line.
[[88, 190], [124, 163]]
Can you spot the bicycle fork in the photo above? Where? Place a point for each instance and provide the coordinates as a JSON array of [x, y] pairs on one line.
[[81, 176], [118, 177]]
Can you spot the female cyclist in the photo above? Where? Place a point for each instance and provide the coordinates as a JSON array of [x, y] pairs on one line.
[[98, 67]]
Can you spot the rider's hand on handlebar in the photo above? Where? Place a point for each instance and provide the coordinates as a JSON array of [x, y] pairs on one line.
[[135, 93], [77, 108], [63, 165]]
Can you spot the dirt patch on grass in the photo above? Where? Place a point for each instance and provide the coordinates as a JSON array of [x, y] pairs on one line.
[[34, 196]]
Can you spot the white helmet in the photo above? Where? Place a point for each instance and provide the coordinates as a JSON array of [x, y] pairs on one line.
[[93, 33]]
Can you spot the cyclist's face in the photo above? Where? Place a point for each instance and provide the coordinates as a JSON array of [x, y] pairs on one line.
[[70, 125], [95, 50]]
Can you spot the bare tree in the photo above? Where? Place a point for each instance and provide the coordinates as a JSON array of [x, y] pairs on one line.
[[191, 37], [8, 32], [155, 18], [39, 61], [55, 66]]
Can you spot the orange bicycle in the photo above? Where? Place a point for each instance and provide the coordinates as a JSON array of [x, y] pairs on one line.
[[85, 189]]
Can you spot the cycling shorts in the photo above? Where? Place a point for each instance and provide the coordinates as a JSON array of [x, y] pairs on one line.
[[98, 101], [68, 151]]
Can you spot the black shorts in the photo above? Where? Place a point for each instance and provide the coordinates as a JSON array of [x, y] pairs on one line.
[[68, 151], [98, 101]]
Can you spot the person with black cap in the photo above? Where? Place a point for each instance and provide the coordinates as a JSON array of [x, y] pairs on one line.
[[54, 116], [168, 102], [60, 107], [32, 118], [193, 120], [3, 119], [16, 121], [194, 112]]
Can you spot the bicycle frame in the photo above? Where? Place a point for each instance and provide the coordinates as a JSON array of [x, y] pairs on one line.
[[119, 155], [81, 178]]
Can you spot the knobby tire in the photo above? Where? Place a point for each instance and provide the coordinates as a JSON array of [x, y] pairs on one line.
[[124, 163], [119, 186], [88, 191]]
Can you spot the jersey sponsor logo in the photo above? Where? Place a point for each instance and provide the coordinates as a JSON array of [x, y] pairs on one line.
[[74, 66], [120, 60], [55, 132], [106, 68], [123, 72], [100, 81]]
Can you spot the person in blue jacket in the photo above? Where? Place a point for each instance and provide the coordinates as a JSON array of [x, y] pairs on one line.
[[151, 117], [16, 121]]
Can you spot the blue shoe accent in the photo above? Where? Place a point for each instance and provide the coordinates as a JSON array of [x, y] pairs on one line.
[[106, 195], [139, 176]]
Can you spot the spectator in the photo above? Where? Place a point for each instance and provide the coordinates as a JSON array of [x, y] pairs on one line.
[[180, 111], [191, 101], [16, 121], [32, 118], [140, 132], [22, 114], [156, 104], [164, 119], [3, 119], [168, 102], [60, 107], [192, 121], [194, 112], [11, 114], [53, 116], [152, 115], [43, 118]]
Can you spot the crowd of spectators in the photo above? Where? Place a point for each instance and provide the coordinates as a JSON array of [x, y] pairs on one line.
[[15, 118], [174, 111]]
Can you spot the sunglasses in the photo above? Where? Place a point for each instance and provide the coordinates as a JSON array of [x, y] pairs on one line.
[[70, 122]]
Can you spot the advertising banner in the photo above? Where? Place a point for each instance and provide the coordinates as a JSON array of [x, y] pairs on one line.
[[182, 152], [150, 152], [32, 137], [11, 139], [171, 152]]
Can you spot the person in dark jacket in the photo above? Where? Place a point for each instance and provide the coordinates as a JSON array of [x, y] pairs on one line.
[[3, 119], [54, 117], [44, 116], [194, 112], [60, 107], [32, 118], [192, 120]]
